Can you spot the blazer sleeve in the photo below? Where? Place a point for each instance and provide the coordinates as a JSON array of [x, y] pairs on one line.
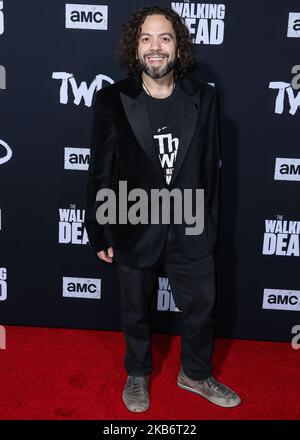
[[213, 162], [99, 172]]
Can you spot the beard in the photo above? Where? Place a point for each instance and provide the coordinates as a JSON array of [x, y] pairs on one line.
[[156, 72]]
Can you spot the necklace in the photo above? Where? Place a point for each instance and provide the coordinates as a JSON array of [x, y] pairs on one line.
[[148, 91]]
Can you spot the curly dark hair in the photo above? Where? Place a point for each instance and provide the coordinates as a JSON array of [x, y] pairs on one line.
[[131, 32]]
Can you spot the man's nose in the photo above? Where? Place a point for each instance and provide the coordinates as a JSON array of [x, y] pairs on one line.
[[155, 44]]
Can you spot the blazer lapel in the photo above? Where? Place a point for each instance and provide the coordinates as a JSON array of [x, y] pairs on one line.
[[137, 116], [136, 111], [189, 110]]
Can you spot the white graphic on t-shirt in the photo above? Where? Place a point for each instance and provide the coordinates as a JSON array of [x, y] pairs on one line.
[[160, 129], [168, 148]]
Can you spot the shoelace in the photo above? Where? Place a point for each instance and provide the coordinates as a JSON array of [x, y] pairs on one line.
[[218, 387], [138, 385]]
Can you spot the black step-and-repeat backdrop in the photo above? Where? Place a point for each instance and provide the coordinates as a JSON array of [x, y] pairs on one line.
[[54, 56]]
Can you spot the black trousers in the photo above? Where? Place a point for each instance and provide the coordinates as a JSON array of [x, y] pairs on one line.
[[192, 284]]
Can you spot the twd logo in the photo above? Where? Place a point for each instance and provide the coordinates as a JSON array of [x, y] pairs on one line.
[[80, 92], [287, 90], [5, 152]]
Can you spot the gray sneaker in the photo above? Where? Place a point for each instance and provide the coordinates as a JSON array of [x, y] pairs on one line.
[[136, 393], [210, 388]]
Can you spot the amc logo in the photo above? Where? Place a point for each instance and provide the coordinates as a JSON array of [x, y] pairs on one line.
[[86, 16], [281, 299], [3, 284], [81, 287]]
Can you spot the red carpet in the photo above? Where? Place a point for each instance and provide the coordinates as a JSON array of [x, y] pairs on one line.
[[79, 374]]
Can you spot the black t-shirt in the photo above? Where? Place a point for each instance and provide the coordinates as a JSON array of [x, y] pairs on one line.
[[164, 115]]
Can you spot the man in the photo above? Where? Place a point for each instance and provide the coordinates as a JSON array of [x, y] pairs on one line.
[[158, 129]]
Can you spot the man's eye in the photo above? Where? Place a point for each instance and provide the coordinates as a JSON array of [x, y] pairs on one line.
[[145, 39], [166, 39]]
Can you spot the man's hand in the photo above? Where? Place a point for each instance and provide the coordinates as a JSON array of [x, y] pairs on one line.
[[106, 255]]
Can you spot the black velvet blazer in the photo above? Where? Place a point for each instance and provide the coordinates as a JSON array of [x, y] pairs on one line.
[[122, 148]]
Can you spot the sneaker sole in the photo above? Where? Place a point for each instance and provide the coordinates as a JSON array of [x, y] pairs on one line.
[[187, 388]]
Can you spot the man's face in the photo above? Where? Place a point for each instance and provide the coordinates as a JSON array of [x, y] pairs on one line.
[[157, 52]]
